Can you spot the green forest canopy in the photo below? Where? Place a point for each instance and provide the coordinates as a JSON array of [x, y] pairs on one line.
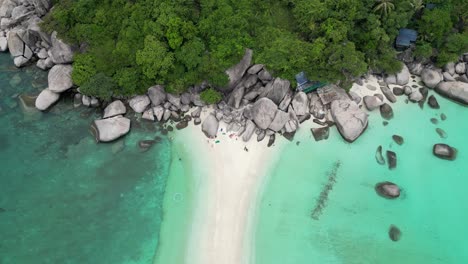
[[178, 43]]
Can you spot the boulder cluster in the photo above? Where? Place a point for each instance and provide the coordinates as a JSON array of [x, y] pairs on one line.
[[21, 35], [450, 82]]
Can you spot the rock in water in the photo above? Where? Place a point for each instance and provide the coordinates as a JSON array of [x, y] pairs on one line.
[[398, 91], [145, 145], [372, 102], [271, 141], [432, 102], [45, 99], [443, 117], [181, 125], [394, 233], [398, 139], [109, 129], [386, 111], [320, 133], [441, 132], [350, 120], [378, 156], [434, 121], [444, 151], [387, 190], [115, 108], [430, 78], [392, 159], [457, 91], [416, 96], [210, 126]]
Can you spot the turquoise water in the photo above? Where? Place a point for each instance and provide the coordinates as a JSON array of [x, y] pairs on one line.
[[65, 198], [352, 225]]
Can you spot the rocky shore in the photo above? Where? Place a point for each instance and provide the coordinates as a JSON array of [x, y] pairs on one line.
[[254, 103]]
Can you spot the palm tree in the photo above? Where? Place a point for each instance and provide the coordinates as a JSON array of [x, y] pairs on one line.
[[384, 6], [417, 5]]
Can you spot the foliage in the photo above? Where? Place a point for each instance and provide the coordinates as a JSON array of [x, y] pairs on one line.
[[423, 50], [211, 96], [100, 86], [179, 43], [83, 69]]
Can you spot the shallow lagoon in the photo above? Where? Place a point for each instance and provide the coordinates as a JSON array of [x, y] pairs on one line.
[[352, 226]]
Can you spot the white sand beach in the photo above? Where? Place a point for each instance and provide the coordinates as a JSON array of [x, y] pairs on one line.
[[221, 230]]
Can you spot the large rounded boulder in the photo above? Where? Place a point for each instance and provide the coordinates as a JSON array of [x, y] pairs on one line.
[[350, 120], [110, 129], [60, 78], [210, 126], [45, 99], [457, 91], [444, 151], [115, 108], [372, 102], [157, 95], [263, 112], [139, 103], [430, 78]]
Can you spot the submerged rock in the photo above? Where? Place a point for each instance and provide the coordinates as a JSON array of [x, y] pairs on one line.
[[387, 190], [394, 233], [441, 132], [320, 133], [398, 139], [145, 145], [444, 151], [378, 156], [432, 102], [443, 117], [392, 159], [434, 121]]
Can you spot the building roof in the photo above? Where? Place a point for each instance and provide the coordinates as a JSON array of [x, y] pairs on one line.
[[406, 36], [301, 79]]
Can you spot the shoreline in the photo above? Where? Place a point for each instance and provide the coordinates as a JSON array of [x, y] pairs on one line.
[[228, 196]]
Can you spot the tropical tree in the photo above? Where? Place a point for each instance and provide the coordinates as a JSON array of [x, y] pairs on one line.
[[417, 5], [384, 6]]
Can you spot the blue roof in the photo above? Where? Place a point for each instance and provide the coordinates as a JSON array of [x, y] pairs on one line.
[[301, 79], [406, 36]]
